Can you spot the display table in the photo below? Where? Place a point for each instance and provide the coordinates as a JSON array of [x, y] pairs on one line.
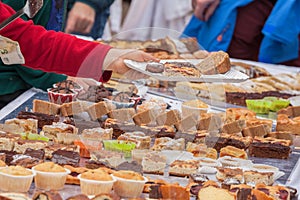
[[291, 166]]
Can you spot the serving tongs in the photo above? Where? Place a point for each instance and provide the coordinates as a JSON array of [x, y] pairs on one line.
[[30, 9]]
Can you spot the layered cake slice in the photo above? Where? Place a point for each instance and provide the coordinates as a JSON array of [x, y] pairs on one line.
[[154, 163], [166, 143], [139, 138], [270, 148], [183, 168], [43, 119], [51, 131], [23, 125], [254, 177], [233, 152], [224, 173], [22, 145]]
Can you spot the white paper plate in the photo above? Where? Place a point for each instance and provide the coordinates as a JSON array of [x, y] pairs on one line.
[[231, 76]]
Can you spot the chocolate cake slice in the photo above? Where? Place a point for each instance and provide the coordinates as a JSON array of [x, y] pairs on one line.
[[43, 119], [64, 157]]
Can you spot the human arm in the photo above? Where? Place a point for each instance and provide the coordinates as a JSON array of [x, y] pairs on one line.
[[62, 53], [203, 9]]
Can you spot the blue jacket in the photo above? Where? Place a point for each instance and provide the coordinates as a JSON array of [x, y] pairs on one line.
[[280, 31]]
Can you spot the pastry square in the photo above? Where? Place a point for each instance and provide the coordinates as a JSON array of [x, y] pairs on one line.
[[183, 168], [123, 114], [23, 125], [72, 108], [154, 163], [139, 138], [168, 118], [51, 131], [166, 143], [22, 145], [45, 107], [97, 110], [233, 152], [253, 177]]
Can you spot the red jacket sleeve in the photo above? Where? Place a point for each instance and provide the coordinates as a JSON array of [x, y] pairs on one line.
[[55, 51]]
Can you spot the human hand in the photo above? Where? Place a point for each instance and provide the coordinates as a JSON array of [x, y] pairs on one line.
[[203, 9], [81, 18], [114, 61], [83, 82]]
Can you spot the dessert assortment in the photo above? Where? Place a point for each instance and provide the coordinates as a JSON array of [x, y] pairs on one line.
[[130, 145], [110, 143]]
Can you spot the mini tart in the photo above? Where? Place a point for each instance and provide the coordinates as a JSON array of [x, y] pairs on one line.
[[131, 175], [49, 167], [97, 175]]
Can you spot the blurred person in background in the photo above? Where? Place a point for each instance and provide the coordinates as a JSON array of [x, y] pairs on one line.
[[148, 19], [260, 30]]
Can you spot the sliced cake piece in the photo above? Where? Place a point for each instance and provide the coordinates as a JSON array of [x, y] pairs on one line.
[[154, 163], [215, 63], [73, 108], [233, 152], [45, 107], [168, 118], [97, 110], [270, 148], [139, 138], [183, 168], [124, 114]]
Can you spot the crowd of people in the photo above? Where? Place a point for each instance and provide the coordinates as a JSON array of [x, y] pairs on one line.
[[259, 30]]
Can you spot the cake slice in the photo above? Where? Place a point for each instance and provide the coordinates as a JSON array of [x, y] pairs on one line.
[[257, 130], [21, 145], [23, 125], [154, 163], [224, 173], [72, 108], [270, 148], [210, 121], [215, 63], [43, 119], [168, 118], [166, 143], [45, 107], [234, 127], [124, 114], [254, 177], [183, 168], [278, 192], [215, 193], [145, 117], [97, 110], [187, 123], [233, 114], [51, 131], [139, 138], [112, 158], [233, 152]]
